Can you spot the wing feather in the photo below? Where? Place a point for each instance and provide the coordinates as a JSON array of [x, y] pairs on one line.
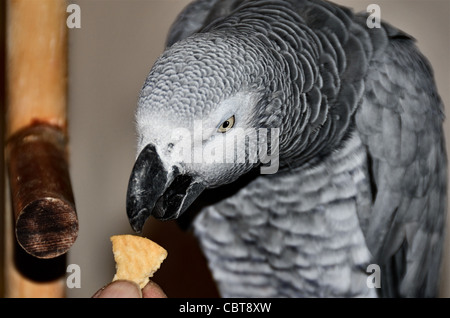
[[400, 121]]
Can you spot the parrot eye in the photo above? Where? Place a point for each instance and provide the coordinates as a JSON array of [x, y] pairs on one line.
[[226, 125]]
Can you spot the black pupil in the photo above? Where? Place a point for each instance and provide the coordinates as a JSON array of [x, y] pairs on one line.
[[226, 124]]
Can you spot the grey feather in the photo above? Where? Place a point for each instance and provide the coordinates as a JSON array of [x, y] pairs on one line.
[[408, 166], [197, 15], [363, 162]]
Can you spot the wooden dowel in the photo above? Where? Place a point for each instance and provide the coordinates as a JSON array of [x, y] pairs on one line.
[[36, 63], [2, 138], [46, 224], [44, 219]]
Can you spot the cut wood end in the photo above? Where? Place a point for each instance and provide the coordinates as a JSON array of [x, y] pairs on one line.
[[47, 228]]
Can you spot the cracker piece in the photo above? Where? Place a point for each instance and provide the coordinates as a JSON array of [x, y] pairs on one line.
[[137, 258]]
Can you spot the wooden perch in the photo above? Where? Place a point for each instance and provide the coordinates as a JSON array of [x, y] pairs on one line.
[[46, 224], [36, 64]]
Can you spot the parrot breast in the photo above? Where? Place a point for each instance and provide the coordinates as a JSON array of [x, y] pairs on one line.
[[303, 238]]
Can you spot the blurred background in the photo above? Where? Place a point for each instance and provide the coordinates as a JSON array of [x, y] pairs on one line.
[[110, 57]]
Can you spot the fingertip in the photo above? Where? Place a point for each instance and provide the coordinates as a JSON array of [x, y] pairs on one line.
[[152, 290], [119, 289]]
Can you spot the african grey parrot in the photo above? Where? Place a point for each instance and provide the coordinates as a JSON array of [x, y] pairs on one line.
[[346, 124]]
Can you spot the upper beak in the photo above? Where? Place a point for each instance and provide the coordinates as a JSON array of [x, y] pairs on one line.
[[155, 190]]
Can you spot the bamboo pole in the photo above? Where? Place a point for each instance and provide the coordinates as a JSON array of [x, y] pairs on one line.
[[37, 63], [43, 218], [2, 138]]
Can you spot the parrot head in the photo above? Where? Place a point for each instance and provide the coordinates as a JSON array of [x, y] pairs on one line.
[[202, 121]]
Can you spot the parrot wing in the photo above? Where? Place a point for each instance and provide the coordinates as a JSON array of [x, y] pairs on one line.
[[400, 122]]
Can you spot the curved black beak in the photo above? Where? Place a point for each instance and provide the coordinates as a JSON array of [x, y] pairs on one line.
[[156, 191]]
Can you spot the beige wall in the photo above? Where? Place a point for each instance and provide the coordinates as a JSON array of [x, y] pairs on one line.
[[110, 56]]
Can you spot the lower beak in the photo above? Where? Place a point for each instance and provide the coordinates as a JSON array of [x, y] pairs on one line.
[[156, 191]]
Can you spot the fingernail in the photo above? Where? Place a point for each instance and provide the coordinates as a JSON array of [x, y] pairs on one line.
[[120, 289]]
